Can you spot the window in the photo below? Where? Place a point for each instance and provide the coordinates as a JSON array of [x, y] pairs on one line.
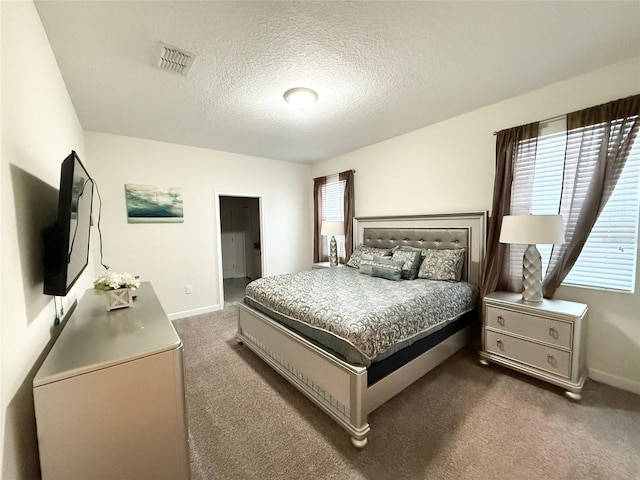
[[608, 258], [333, 194]]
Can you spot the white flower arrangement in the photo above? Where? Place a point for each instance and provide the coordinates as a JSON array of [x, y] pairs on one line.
[[113, 280]]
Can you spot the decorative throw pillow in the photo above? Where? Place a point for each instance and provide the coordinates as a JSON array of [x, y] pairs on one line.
[[411, 261], [368, 262], [442, 264], [354, 261], [386, 267]]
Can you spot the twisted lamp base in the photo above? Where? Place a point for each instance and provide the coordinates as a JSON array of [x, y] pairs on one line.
[[333, 252], [532, 275]]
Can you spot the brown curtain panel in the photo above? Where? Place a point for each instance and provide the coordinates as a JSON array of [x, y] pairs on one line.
[[319, 253], [507, 144], [349, 212], [614, 126]]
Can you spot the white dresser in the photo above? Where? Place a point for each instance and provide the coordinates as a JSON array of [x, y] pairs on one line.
[[109, 397], [545, 340]]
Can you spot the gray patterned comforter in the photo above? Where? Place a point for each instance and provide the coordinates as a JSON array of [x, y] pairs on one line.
[[362, 318]]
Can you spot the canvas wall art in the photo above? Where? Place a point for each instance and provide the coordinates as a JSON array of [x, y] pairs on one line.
[[149, 204]]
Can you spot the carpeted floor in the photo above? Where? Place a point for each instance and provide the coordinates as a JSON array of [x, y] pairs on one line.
[[460, 421]]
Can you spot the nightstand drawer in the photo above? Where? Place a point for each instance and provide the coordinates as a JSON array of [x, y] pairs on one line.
[[540, 356], [542, 329]]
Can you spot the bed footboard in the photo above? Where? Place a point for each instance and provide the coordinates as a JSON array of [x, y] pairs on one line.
[[335, 386]]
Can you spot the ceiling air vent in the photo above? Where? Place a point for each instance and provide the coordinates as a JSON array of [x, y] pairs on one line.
[[175, 60]]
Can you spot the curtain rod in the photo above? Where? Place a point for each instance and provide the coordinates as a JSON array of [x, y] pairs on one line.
[[546, 120], [332, 174]]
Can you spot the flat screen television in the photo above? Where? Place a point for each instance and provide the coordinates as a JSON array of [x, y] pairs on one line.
[[66, 242]]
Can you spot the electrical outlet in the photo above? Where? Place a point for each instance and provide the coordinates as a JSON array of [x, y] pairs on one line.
[[188, 290]]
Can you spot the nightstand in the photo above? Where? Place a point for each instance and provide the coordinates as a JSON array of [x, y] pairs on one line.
[[546, 340], [319, 265]]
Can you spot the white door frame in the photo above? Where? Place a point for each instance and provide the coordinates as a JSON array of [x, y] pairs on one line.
[[218, 222]]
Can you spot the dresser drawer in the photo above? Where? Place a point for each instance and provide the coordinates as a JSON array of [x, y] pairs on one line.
[[540, 356], [542, 329]]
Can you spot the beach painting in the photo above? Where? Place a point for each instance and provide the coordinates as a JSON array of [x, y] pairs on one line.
[[149, 204]]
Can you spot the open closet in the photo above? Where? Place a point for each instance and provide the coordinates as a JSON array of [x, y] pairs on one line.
[[240, 243]]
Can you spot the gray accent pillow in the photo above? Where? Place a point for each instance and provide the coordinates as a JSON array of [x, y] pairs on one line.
[[411, 258], [367, 262], [354, 261], [442, 264], [386, 267]]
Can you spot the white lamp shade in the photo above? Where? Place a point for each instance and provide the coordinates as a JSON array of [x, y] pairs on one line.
[[332, 228], [532, 229]]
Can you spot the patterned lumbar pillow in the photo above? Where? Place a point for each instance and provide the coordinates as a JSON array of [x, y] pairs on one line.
[[411, 261], [354, 261], [442, 264], [386, 267], [367, 262]]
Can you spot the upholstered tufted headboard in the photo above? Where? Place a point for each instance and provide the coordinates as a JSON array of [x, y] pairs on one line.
[[457, 230], [433, 238]]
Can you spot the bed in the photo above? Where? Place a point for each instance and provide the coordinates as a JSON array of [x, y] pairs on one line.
[[327, 350]]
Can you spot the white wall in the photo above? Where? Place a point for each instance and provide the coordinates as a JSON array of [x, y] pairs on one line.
[[39, 129], [172, 256], [449, 167]]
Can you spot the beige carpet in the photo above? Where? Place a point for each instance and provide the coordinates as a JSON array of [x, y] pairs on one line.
[[460, 421]]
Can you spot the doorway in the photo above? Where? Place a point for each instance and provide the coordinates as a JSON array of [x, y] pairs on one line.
[[240, 245]]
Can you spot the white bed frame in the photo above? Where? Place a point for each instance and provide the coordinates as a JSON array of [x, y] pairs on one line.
[[337, 387]]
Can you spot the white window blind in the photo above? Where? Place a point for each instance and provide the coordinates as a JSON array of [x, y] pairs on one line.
[[333, 194], [608, 258]]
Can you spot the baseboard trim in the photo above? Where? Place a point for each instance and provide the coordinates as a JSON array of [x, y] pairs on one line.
[[615, 381], [195, 311]]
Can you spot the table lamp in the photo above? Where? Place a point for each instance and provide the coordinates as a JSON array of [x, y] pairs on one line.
[[531, 230], [333, 229]]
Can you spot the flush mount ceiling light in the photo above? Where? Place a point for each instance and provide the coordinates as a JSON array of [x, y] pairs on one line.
[[300, 97]]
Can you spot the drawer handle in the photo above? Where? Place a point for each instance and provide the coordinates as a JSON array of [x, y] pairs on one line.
[[553, 332], [500, 320], [500, 344], [552, 360]]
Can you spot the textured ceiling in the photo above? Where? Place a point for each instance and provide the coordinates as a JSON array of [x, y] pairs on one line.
[[380, 68]]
